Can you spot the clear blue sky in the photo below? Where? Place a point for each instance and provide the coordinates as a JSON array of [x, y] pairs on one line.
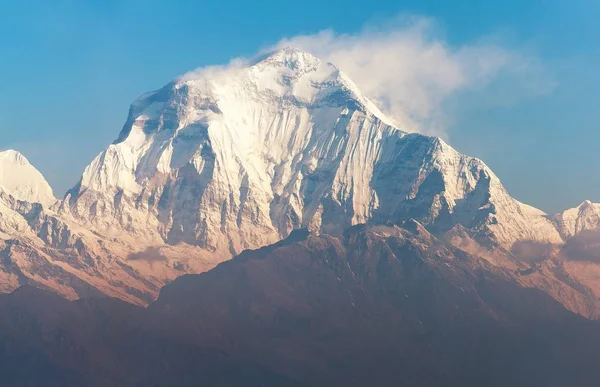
[[70, 68]]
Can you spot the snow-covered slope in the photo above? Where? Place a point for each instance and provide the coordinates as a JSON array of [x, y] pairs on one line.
[[21, 180], [238, 157], [585, 217]]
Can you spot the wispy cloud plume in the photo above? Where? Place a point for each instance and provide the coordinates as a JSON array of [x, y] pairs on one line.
[[411, 71]]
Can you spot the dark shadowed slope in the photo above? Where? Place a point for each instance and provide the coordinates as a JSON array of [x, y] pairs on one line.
[[381, 306], [46, 340]]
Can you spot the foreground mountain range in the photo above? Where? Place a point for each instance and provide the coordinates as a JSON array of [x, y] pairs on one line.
[[377, 305]]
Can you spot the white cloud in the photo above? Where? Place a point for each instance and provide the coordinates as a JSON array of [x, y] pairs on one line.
[[409, 70]]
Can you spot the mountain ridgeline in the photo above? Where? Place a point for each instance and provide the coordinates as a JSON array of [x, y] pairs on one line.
[[265, 224], [377, 305]]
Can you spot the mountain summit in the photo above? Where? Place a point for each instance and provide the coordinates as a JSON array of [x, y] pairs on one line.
[[584, 217], [230, 158], [21, 180]]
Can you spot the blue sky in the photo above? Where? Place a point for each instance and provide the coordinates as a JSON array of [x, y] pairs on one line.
[[70, 69]]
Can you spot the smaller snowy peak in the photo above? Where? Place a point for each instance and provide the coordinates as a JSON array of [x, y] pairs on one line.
[[13, 156], [584, 217], [21, 180]]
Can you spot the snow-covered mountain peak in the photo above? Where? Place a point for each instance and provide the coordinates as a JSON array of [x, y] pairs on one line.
[[23, 181], [286, 76], [13, 156], [281, 78], [584, 217], [265, 108], [238, 156], [587, 204], [291, 58]]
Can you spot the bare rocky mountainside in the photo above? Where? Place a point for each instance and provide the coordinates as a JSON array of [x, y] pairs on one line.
[[226, 159], [376, 305]]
